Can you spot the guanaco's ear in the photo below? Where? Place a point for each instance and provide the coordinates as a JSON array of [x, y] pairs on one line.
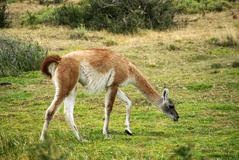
[[165, 94]]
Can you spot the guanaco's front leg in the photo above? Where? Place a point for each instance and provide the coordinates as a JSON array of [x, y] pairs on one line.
[[123, 97], [109, 101]]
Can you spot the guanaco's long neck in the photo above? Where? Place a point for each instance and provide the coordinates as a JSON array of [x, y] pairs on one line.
[[146, 88]]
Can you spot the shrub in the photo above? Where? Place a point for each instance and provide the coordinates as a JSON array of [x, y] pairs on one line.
[[65, 15], [229, 40], [115, 16], [110, 42], [3, 14], [129, 15], [172, 47], [43, 16], [79, 33], [235, 64], [69, 14], [216, 65], [217, 5], [17, 56]]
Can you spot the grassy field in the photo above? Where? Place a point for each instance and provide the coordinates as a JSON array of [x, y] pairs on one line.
[[202, 76]]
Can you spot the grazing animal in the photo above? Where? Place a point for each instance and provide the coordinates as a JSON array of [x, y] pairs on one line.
[[97, 70]]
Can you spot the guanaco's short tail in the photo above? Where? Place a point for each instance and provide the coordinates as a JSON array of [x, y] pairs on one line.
[[47, 62]]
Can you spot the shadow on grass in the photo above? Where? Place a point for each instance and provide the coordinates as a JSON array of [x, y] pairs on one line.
[[96, 135], [154, 133], [182, 153], [14, 146], [46, 150]]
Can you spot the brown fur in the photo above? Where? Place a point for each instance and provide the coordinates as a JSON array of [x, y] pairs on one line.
[[47, 61], [144, 86], [67, 75], [102, 60], [113, 93]]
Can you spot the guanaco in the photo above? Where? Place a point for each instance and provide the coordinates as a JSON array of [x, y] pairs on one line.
[[98, 70]]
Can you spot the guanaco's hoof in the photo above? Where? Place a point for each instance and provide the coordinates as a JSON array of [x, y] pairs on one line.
[[128, 132], [83, 140], [108, 136]]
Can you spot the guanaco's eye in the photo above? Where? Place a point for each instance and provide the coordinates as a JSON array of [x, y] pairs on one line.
[[171, 106]]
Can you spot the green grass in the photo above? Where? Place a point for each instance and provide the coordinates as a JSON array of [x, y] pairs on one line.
[[199, 86], [222, 50], [207, 129]]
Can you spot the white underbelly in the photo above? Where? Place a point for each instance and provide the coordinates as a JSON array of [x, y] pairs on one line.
[[93, 80]]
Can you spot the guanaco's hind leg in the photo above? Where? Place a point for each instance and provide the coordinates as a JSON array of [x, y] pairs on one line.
[[58, 98], [69, 103], [109, 101], [65, 80]]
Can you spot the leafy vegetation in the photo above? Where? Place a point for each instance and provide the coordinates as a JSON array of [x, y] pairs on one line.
[[235, 64], [114, 16], [226, 41], [3, 14], [216, 65], [72, 15], [79, 33], [17, 56], [43, 16], [199, 6], [121, 16], [128, 16]]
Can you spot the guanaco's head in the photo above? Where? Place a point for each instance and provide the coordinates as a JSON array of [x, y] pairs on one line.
[[167, 106]]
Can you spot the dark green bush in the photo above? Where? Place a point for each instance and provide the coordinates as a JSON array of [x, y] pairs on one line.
[[216, 65], [128, 15], [120, 16], [70, 14], [217, 5], [44, 16], [17, 56], [3, 14], [235, 64], [65, 15]]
